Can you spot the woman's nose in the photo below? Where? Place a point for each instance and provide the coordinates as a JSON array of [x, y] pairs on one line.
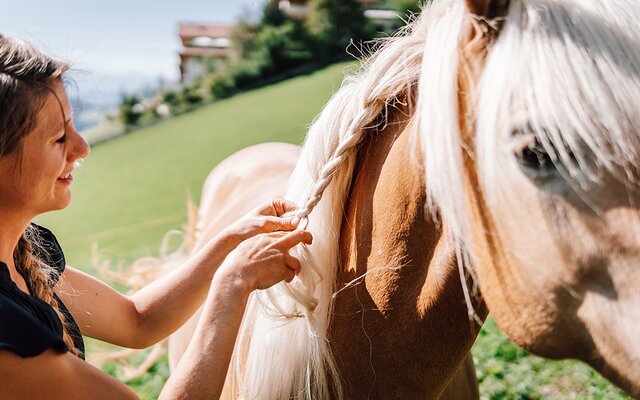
[[79, 149]]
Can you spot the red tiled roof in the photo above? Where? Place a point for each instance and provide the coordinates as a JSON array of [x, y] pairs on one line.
[[189, 31]]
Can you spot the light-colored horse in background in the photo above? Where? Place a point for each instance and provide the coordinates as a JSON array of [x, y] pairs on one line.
[[516, 123]]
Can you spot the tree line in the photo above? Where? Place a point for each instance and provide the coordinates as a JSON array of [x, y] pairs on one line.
[[267, 48]]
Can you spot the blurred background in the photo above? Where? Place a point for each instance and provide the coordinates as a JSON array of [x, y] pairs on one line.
[[165, 90]]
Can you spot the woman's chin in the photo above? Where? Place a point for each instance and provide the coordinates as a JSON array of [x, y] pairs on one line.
[[61, 202]]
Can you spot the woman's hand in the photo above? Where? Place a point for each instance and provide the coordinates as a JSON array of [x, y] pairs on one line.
[[266, 218], [264, 260], [257, 263]]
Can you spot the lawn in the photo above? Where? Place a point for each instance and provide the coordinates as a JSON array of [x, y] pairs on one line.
[[133, 189]]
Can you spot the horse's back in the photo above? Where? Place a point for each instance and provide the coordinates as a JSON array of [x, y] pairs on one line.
[[238, 184], [241, 182]]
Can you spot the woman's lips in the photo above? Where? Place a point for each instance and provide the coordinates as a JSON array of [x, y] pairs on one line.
[[66, 179]]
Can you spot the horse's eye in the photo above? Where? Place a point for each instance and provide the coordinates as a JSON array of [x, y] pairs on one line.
[[533, 155], [533, 158]]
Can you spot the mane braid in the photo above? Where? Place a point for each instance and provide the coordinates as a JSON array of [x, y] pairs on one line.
[[286, 326], [341, 155]]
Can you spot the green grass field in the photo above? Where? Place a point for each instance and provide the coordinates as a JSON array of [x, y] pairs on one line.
[[133, 189]]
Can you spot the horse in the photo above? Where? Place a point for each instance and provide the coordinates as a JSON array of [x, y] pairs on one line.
[[484, 160], [246, 180]]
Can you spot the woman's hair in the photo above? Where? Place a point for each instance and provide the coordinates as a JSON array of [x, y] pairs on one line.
[[27, 76]]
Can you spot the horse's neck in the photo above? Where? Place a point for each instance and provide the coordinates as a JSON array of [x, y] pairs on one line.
[[401, 330]]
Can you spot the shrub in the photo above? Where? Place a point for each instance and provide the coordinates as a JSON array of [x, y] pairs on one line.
[[171, 98], [130, 112], [403, 6], [220, 85], [279, 48], [246, 71], [192, 94]]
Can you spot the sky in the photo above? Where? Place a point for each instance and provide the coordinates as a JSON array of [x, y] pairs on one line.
[[115, 40]]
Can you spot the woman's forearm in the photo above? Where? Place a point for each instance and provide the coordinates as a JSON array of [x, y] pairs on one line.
[[201, 372], [257, 263], [164, 305]]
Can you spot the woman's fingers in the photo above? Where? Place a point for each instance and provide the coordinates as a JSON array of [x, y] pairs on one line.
[[289, 275], [272, 224], [279, 206], [282, 205], [292, 263], [266, 258], [290, 269], [292, 239]]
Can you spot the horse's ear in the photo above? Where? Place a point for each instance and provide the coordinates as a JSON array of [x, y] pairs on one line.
[[489, 9]]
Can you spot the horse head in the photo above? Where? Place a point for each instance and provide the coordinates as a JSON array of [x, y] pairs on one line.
[[538, 174]]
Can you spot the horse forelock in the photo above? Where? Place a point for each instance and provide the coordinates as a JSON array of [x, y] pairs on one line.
[[569, 71]]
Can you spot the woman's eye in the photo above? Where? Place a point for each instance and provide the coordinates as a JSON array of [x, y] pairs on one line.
[[62, 138]]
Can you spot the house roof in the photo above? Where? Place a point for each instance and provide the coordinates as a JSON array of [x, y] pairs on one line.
[[190, 31]]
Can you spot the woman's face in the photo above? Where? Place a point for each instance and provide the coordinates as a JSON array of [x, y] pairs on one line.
[[37, 178]]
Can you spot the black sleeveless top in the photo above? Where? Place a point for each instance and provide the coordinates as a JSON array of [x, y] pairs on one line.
[[29, 326]]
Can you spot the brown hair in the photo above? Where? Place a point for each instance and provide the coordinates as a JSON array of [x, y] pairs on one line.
[[26, 78]]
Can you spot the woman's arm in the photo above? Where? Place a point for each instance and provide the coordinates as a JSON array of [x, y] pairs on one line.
[[149, 315], [157, 310], [56, 376], [258, 263], [265, 261]]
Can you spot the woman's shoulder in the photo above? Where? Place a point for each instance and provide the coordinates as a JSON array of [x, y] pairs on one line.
[[50, 251], [22, 333]]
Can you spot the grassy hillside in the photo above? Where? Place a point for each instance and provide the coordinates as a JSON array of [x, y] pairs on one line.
[[133, 189]]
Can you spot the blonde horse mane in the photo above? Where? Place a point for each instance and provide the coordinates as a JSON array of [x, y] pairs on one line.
[[283, 350], [565, 71]]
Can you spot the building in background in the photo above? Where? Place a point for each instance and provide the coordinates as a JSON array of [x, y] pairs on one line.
[[206, 45], [203, 47], [382, 20]]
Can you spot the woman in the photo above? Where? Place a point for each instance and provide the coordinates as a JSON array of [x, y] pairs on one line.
[[46, 306]]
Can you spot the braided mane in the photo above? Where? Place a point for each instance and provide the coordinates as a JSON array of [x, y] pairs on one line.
[[286, 326]]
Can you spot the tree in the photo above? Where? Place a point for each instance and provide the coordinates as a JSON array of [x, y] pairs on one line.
[[334, 24], [242, 38], [281, 47], [272, 15], [404, 6]]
